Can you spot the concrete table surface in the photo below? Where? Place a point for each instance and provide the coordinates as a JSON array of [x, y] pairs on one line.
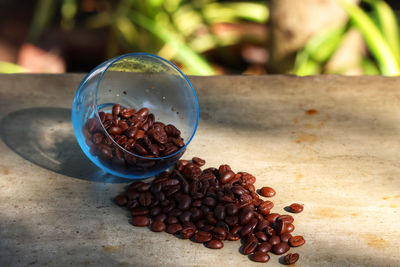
[[341, 159]]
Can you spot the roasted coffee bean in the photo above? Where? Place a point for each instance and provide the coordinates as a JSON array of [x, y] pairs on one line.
[[185, 216], [290, 228], [226, 177], [139, 134], [131, 131], [114, 130], [196, 214], [202, 236], [280, 248], [174, 228], [286, 218], [197, 203], [231, 209], [210, 218], [215, 244], [171, 130], [97, 138], [285, 237], [270, 231], [121, 200], [132, 204], [209, 201], [219, 212], [155, 211], [161, 217], [262, 224], [219, 233], [188, 230], [184, 201], [262, 237], [291, 258], [143, 112], [116, 109], [145, 199], [172, 220], [273, 240], [260, 256], [232, 237], [140, 221], [296, 241], [208, 228], [139, 211], [105, 152], [249, 227], [158, 226], [250, 246], [296, 208], [143, 187], [245, 215], [232, 220], [264, 247], [272, 217], [267, 191], [281, 227], [198, 161], [223, 168], [102, 116], [160, 137], [236, 229]]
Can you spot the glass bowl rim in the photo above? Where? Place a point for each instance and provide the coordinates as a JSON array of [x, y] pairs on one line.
[[115, 59]]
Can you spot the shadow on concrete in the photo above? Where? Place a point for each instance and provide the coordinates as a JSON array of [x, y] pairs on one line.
[[44, 136]]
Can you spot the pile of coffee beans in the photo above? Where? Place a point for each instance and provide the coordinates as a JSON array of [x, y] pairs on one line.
[[136, 132], [210, 206]]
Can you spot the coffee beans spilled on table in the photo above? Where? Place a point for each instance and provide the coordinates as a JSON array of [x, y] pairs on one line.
[[137, 132], [212, 206]]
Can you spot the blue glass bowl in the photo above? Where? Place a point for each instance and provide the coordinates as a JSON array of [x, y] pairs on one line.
[[133, 80]]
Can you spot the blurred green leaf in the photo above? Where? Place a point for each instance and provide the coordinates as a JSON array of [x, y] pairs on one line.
[[374, 39], [195, 63], [231, 12], [7, 67], [68, 12], [317, 51], [388, 25], [369, 67], [322, 46], [44, 12]]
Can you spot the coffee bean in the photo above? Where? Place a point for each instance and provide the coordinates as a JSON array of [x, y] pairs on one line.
[[250, 246], [264, 247], [260, 257], [274, 240], [121, 200], [296, 241], [296, 208], [280, 248], [174, 228], [262, 237], [215, 244], [219, 233], [219, 212], [184, 201], [209, 201], [171, 220], [286, 218], [245, 215], [290, 227], [285, 237], [272, 217], [281, 227], [262, 224], [291, 258], [267, 191], [202, 236], [226, 177], [231, 209], [198, 161], [140, 221], [158, 226], [139, 211], [161, 217], [188, 230], [116, 109]]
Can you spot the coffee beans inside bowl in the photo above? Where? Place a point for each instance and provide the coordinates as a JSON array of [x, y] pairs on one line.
[[137, 132], [212, 206]]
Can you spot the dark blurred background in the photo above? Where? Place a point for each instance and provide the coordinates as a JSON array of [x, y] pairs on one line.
[[204, 37]]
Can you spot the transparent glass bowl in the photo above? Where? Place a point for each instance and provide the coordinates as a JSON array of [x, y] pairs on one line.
[[135, 81]]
